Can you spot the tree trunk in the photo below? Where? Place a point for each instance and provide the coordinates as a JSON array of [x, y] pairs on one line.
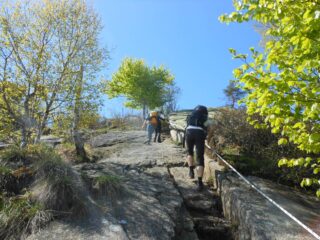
[[42, 124], [41, 127], [39, 134], [24, 137], [144, 111], [77, 108]]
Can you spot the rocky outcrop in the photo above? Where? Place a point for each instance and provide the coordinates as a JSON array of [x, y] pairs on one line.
[[113, 138], [93, 229], [257, 218], [149, 205], [178, 123], [138, 199]]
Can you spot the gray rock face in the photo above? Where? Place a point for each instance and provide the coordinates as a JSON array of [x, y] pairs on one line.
[[51, 140], [145, 204], [95, 230], [150, 205], [203, 207], [177, 135], [258, 219], [177, 119], [116, 137]]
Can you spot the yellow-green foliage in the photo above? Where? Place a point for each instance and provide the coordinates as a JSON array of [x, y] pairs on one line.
[[89, 119], [35, 83], [140, 84], [13, 93], [283, 81]]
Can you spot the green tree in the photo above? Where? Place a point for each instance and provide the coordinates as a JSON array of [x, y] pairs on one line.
[[144, 87], [283, 82], [12, 93], [42, 44], [233, 93]]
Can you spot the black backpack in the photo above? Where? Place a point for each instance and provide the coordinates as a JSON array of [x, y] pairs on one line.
[[198, 116]]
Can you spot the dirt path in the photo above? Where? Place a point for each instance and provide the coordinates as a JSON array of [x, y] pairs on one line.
[[153, 200]]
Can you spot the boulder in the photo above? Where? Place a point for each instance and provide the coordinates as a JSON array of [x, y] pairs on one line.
[[51, 140], [257, 218], [177, 136]]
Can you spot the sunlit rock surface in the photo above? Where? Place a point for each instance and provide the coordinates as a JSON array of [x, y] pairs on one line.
[[257, 218], [178, 123], [252, 216]]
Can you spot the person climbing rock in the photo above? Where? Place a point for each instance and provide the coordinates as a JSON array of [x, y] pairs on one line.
[[196, 133], [151, 122], [157, 136]]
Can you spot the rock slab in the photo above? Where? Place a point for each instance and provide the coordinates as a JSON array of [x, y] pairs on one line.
[[256, 218]]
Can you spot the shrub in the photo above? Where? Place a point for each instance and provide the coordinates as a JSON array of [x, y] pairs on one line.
[[8, 183], [252, 151], [55, 189], [27, 155], [19, 215], [58, 187], [12, 154], [55, 185]]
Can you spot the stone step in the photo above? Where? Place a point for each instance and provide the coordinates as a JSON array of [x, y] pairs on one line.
[[211, 227], [203, 206], [217, 232]]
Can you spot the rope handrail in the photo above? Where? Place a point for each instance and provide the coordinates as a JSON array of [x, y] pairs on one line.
[[265, 196]]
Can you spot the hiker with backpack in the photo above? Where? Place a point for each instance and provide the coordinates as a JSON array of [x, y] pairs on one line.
[[157, 136], [151, 122], [195, 134]]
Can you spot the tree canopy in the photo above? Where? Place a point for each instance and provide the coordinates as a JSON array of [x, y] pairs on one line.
[[143, 86], [283, 81]]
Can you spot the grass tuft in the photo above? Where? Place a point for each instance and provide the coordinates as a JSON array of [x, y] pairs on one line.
[[19, 215], [108, 185], [58, 187]]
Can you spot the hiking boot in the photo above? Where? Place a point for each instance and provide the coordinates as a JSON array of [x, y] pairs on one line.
[[200, 186], [191, 173]]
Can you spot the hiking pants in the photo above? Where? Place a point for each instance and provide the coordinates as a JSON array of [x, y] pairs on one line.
[[196, 137], [150, 130], [157, 134]]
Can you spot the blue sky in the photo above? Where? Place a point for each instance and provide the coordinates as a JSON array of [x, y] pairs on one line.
[[183, 35]]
